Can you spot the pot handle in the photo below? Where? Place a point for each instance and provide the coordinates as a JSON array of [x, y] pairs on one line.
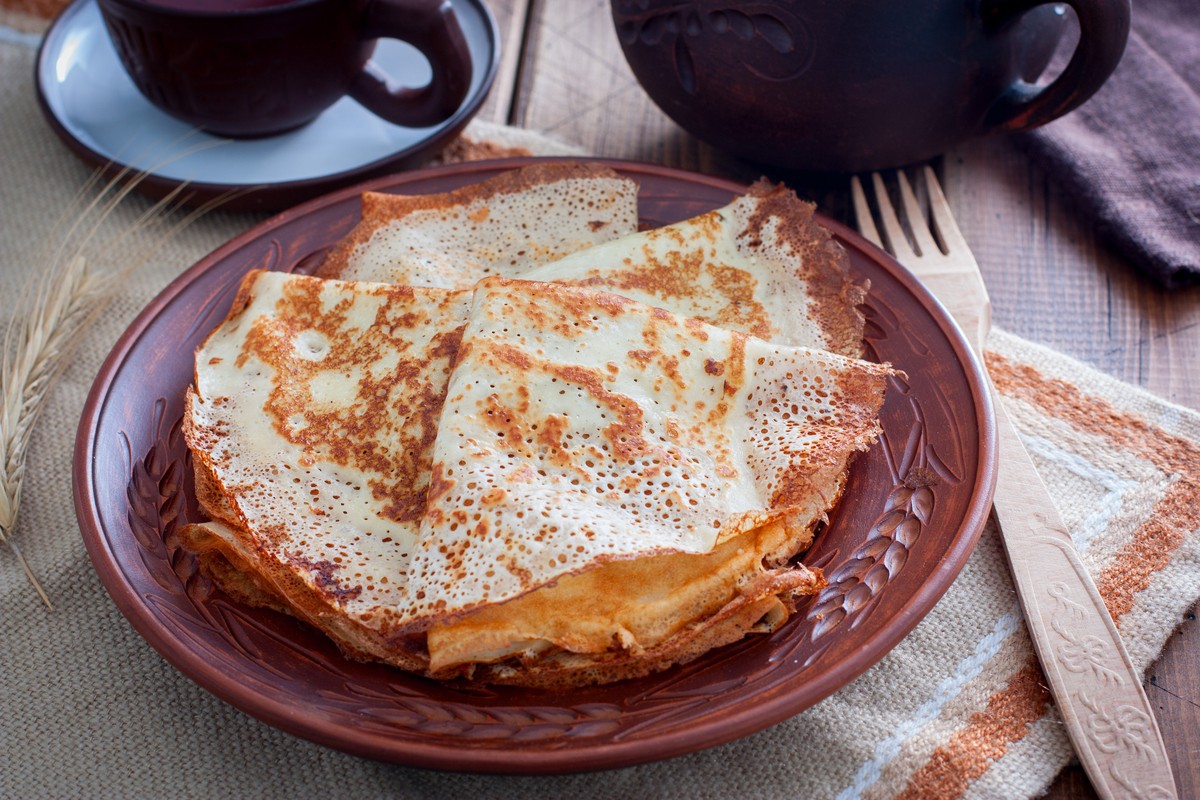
[[1103, 31], [432, 27]]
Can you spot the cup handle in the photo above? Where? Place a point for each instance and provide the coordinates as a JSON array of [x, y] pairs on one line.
[[432, 27], [1103, 31]]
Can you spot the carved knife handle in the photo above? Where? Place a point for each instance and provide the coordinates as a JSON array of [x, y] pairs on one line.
[[1110, 719]]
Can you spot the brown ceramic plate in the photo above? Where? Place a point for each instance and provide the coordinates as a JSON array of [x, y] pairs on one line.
[[913, 509]]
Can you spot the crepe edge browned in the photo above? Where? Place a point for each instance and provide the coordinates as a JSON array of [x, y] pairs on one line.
[[380, 208]]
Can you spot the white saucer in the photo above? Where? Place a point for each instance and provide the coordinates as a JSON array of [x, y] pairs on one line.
[[96, 109]]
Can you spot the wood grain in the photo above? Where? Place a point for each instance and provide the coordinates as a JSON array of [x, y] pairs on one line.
[[511, 18]]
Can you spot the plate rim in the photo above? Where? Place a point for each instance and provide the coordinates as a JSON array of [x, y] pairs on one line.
[[605, 755], [271, 196]]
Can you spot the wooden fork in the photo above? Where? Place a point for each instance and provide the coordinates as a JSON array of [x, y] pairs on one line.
[[1097, 690]]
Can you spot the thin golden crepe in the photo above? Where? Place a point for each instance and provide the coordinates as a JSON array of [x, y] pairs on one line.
[[760, 265], [311, 421], [701, 456], [654, 473], [384, 354], [501, 226]]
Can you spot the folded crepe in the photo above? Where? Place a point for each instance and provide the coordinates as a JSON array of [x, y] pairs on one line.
[[501, 226], [529, 482], [311, 420], [760, 265], [635, 480]]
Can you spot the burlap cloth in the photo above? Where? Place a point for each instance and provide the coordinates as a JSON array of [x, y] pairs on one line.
[[88, 709]]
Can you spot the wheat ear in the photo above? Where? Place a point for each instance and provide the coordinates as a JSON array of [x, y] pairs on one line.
[[53, 311]]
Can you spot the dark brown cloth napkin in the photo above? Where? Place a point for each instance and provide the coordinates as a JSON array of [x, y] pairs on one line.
[[1131, 154]]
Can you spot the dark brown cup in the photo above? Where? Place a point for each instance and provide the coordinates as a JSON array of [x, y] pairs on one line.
[[246, 68], [854, 85]]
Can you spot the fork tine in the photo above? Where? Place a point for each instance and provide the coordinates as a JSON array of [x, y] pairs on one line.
[[893, 231], [862, 213], [916, 219], [940, 215]]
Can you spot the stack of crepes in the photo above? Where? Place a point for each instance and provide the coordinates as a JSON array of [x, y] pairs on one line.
[[504, 436]]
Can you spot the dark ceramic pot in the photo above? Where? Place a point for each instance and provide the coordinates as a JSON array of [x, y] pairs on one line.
[[851, 85]]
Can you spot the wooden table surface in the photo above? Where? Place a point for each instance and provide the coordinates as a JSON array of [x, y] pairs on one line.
[[1051, 279]]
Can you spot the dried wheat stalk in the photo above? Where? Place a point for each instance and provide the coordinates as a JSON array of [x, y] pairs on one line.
[[80, 273]]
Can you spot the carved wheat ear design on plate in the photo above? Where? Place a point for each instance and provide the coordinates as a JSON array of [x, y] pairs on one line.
[[157, 510], [156, 504], [854, 584], [372, 709]]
